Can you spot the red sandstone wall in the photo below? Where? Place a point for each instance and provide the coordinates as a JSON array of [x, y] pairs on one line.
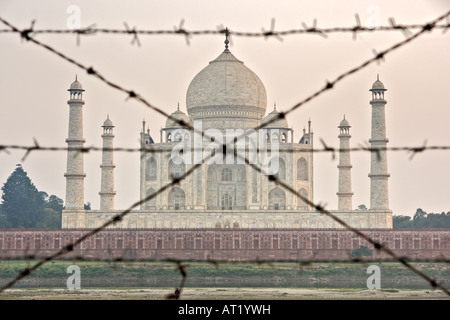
[[223, 244]]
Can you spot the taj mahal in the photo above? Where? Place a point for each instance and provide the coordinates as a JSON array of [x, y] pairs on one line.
[[228, 103]]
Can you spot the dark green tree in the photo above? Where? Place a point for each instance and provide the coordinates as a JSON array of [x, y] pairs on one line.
[[55, 203], [22, 202], [52, 213], [399, 222], [24, 206], [422, 220], [362, 251], [3, 222]]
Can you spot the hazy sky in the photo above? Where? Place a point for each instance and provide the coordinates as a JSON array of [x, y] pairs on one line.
[[34, 83]]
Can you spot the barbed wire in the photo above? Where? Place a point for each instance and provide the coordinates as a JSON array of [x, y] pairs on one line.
[[25, 34], [326, 149], [405, 29], [125, 258]]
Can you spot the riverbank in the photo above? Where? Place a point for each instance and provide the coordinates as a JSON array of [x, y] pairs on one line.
[[223, 294]]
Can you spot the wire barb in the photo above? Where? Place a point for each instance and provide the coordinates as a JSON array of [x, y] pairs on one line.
[[181, 30], [26, 33], [271, 32], [132, 31]]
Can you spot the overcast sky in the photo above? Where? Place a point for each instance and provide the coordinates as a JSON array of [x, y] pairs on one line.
[[34, 83]]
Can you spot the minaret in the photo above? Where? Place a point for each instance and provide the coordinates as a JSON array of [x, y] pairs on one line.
[[345, 177], [146, 141], [379, 199], [107, 192], [74, 174]]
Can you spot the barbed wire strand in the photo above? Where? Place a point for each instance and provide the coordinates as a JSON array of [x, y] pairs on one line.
[[358, 28], [326, 149], [123, 258], [434, 284]]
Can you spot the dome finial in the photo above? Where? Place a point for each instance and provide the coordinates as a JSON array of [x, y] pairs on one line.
[[178, 108], [274, 106], [76, 77], [378, 77], [227, 33]]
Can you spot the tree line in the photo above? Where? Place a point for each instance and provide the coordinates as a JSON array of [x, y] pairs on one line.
[[24, 206], [422, 220]]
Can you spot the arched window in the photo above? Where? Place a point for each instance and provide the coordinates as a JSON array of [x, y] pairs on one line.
[[177, 137], [169, 137], [302, 169], [281, 172], [187, 137], [281, 169], [302, 205], [277, 199], [176, 170], [275, 137], [283, 137], [150, 169], [150, 204], [227, 202], [177, 199], [236, 224], [227, 174]]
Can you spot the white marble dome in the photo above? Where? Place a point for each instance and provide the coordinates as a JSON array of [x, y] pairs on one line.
[[226, 87], [108, 122], [76, 85], [378, 85], [344, 123]]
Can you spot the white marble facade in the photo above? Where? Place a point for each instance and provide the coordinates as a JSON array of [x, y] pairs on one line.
[[225, 100]]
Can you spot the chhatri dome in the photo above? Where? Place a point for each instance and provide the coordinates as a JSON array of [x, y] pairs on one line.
[[76, 85], [344, 123], [108, 122], [226, 94], [378, 85], [174, 120], [273, 120]]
